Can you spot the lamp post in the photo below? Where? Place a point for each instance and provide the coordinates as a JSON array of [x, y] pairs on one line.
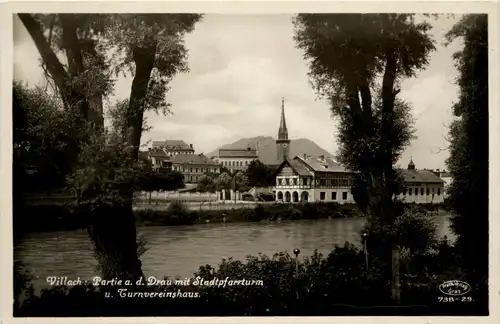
[[296, 252], [365, 238]]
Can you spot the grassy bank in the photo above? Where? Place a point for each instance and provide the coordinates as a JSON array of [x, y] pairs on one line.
[[53, 218]]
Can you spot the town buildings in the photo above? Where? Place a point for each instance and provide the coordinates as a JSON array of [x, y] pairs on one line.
[[312, 179], [236, 159], [178, 156], [193, 166]]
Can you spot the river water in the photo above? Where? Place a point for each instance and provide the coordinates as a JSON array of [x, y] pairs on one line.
[[180, 250]]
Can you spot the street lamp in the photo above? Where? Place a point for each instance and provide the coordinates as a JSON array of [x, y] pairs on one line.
[[364, 237], [296, 252]]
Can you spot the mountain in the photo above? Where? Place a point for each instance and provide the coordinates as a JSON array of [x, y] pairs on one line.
[[267, 148]]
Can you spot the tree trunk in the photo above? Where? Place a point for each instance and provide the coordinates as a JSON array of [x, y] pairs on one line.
[[395, 282], [144, 62], [113, 232], [388, 97]]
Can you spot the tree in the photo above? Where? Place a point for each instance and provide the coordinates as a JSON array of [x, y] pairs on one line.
[[356, 62], [206, 184], [223, 181], [42, 134], [240, 182], [151, 48], [468, 160], [259, 175]]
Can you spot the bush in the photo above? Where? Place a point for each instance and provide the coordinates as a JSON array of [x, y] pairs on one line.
[[338, 284]]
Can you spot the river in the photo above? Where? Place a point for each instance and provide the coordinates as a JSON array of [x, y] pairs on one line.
[[180, 250]]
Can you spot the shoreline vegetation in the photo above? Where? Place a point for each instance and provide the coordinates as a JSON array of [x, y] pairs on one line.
[[47, 218], [337, 284]]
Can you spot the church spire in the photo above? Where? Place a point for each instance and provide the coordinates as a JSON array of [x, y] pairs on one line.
[[283, 132]]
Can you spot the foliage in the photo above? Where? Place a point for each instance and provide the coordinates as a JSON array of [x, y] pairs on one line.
[[94, 46], [468, 160], [259, 175], [240, 182], [357, 61], [156, 180], [206, 183], [44, 139], [223, 181], [332, 285]]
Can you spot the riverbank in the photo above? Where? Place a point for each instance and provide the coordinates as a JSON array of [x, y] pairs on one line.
[[47, 218]]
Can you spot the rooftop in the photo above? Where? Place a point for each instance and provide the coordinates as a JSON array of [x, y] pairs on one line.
[[198, 159], [421, 176], [173, 145], [322, 164], [238, 153]]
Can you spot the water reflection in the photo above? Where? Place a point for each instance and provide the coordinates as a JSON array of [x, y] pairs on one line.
[[180, 250]]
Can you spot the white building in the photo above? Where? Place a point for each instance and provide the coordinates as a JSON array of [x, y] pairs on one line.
[[422, 186], [308, 179], [236, 159]]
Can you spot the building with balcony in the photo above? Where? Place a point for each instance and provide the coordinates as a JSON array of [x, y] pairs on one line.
[[310, 179], [160, 161]]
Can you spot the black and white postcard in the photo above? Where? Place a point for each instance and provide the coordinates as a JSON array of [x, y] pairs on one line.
[[250, 160]]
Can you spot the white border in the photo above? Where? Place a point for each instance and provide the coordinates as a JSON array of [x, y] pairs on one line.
[[247, 7]]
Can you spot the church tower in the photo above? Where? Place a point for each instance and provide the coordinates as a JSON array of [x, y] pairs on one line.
[[282, 143]]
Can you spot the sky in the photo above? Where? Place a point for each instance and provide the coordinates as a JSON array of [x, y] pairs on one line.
[[240, 68]]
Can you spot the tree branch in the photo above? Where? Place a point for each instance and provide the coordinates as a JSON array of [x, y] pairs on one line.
[[50, 59]]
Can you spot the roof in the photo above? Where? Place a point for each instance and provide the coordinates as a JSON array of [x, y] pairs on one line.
[[327, 164], [157, 154], [238, 153], [298, 167], [173, 145], [192, 159], [421, 176]]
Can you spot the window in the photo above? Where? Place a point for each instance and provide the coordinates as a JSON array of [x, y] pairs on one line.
[[439, 191], [322, 195], [334, 196], [246, 162], [295, 181], [404, 191], [416, 191], [305, 181], [344, 195], [410, 192], [196, 170], [428, 192], [422, 191], [283, 182]]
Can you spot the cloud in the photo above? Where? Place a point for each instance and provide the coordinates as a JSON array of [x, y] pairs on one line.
[[241, 66]]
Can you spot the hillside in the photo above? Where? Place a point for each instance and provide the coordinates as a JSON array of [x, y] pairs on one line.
[[267, 148]]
